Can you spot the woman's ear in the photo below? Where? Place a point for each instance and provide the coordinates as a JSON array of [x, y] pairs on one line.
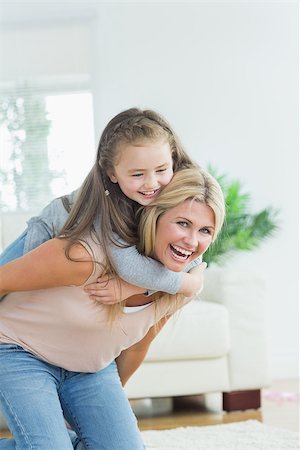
[[111, 175]]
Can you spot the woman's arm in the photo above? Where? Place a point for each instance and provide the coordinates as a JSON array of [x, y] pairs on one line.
[[130, 360], [45, 267]]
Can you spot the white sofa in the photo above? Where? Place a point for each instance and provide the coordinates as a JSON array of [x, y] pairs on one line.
[[217, 343]]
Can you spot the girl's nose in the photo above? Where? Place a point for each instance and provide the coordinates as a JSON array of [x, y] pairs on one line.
[[150, 181]]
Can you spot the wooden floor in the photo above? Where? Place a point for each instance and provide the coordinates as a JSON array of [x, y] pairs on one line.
[[280, 408]]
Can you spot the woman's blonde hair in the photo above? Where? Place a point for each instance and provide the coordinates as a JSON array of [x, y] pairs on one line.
[[189, 184], [195, 184]]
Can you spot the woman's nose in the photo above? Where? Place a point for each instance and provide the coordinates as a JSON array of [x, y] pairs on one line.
[[192, 240]]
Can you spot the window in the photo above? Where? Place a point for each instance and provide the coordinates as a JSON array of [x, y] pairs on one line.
[[47, 143], [46, 119]]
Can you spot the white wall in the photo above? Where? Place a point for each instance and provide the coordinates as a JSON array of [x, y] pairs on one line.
[[225, 75], [69, 55]]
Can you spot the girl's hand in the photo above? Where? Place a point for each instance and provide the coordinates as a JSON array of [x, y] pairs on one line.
[[111, 290], [192, 282], [198, 275]]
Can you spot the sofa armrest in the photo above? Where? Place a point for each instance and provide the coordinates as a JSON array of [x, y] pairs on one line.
[[245, 298]]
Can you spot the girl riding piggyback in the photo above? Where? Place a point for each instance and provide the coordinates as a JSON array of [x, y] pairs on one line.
[[138, 154]]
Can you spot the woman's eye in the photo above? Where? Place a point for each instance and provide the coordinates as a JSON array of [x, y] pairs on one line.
[[183, 224], [205, 230]]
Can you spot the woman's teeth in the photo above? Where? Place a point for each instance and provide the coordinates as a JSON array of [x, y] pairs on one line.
[[180, 253]]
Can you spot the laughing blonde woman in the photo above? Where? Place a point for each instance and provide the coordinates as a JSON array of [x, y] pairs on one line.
[[65, 356]]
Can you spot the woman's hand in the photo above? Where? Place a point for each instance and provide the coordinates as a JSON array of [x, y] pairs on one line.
[[111, 290]]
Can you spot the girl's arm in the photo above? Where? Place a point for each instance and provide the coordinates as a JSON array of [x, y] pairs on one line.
[[112, 290], [151, 275], [46, 267], [139, 274], [48, 224], [130, 359]]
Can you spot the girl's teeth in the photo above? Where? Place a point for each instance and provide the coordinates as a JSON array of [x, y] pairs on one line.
[[148, 193]]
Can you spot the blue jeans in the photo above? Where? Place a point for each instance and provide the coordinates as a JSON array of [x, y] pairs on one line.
[[14, 250], [35, 397]]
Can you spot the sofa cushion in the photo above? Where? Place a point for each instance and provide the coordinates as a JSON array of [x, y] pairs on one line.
[[199, 330]]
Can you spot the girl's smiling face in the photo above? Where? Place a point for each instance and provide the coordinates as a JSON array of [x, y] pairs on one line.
[[183, 233], [143, 170]]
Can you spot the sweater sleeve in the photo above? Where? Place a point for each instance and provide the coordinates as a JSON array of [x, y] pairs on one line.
[[146, 272], [143, 271], [48, 224]]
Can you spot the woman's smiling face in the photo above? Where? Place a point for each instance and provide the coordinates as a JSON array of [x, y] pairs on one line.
[[183, 233]]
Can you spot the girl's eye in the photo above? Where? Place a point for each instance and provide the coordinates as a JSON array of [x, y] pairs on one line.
[[137, 175], [161, 170]]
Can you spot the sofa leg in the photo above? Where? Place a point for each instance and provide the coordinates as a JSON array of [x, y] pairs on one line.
[[241, 400]]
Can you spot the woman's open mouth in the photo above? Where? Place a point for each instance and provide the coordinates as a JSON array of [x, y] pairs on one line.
[[180, 254]]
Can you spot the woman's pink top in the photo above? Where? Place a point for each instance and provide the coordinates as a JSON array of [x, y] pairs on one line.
[[64, 327]]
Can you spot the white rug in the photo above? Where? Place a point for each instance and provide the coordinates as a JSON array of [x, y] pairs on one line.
[[248, 435]]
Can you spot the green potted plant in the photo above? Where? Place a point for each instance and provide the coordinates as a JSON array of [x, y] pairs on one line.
[[242, 229]]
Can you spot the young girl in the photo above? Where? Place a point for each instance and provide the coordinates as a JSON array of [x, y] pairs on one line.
[[137, 155]]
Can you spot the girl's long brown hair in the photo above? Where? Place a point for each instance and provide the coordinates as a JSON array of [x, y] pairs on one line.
[[108, 216]]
